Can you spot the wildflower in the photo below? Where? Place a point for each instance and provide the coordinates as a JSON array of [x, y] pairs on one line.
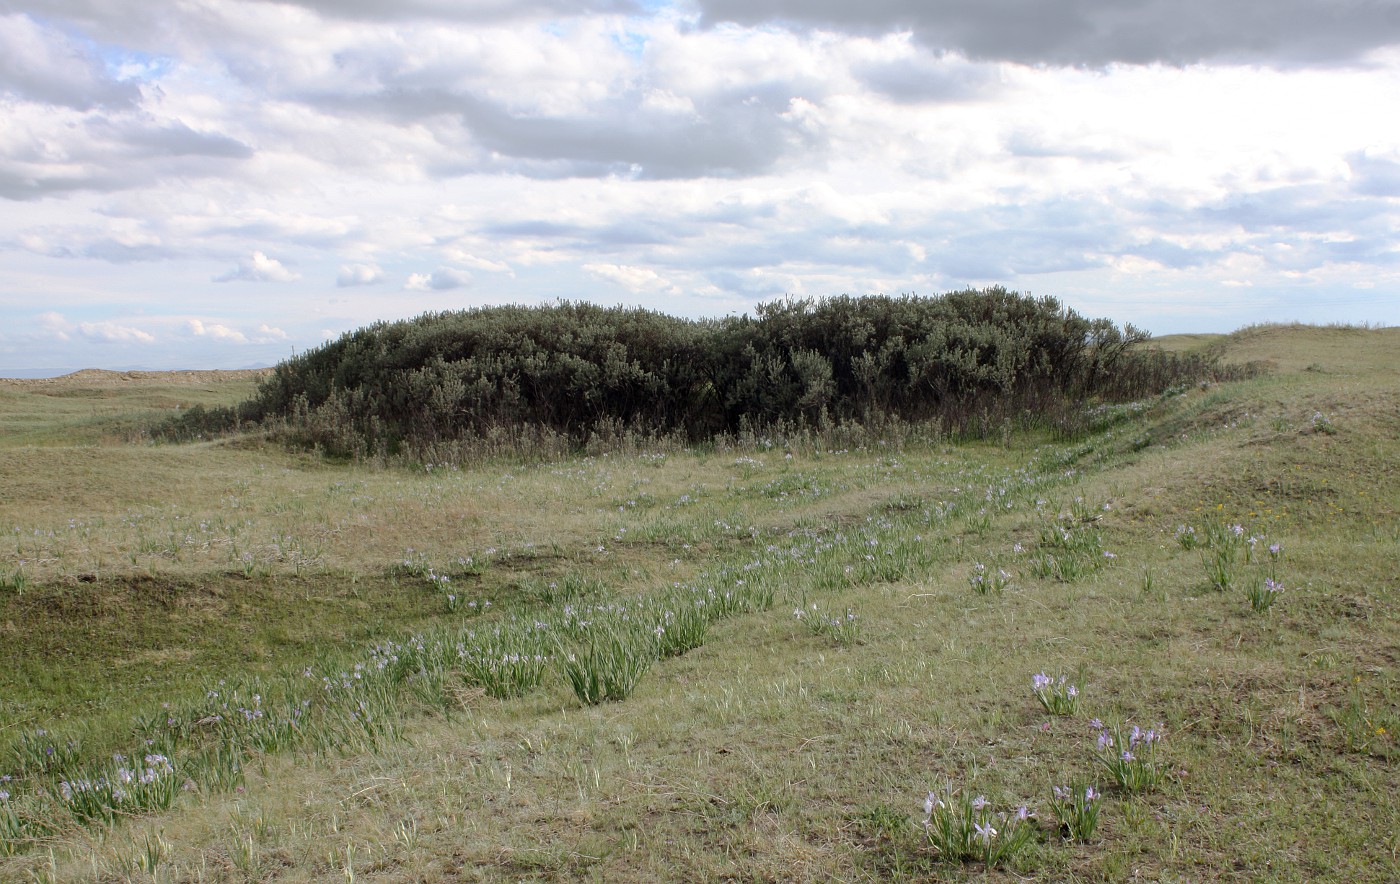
[[986, 833], [980, 802]]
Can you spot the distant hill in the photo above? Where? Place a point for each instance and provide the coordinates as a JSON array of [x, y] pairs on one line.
[[90, 377]]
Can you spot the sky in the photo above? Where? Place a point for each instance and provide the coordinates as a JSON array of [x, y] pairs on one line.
[[223, 183]]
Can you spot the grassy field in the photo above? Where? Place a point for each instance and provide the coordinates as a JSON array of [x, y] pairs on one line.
[[748, 664]]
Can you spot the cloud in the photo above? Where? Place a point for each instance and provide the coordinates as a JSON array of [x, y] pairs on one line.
[[701, 156], [143, 139], [1099, 32], [1374, 175], [220, 332], [441, 279], [109, 332], [358, 274], [30, 181], [53, 323], [472, 261], [636, 279], [57, 326], [753, 284], [47, 150], [44, 65], [258, 267], [452, 10], [265, 334], [921, 78], [120, 243], [572, 101], [731, 135]]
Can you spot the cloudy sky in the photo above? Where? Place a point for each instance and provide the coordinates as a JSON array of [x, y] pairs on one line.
[[217, 183]]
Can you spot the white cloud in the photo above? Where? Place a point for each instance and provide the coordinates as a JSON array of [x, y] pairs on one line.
[[637, 279], [358, 274], [55, 325], [258, 267], [112, 332], [460, 257], [441, 279], [215, 330]]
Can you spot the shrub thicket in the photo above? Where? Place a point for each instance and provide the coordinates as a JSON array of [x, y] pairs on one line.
[[568, 373]]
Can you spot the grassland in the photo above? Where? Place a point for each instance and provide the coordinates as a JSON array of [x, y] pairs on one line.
[[135, 578]]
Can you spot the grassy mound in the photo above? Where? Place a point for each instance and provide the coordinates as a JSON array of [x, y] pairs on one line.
[[444, 387]]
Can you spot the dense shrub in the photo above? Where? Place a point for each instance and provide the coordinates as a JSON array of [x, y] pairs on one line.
[[568, 373]]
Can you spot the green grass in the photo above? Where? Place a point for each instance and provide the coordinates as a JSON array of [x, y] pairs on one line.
[[755, 745], [94, 407]]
